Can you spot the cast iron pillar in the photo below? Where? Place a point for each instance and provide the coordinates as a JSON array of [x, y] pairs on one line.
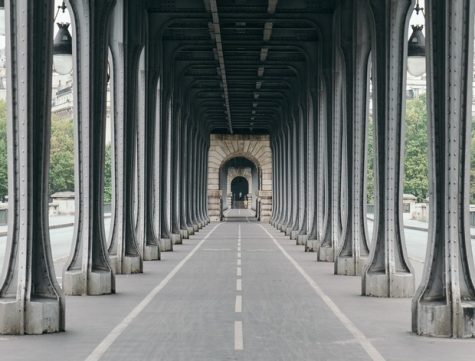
[[31, 300], [88, 270], [356, 46], [389, 273], [292, 182], [444, 304], [175, 235], [166, 169], [301, 236], [332, 140], [147, 97], [126, 46], [185, 226]]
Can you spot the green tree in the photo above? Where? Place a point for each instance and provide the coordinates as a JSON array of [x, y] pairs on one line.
[[370, 162], [108, 174], [3, 150], [416, 178], [61, 172]]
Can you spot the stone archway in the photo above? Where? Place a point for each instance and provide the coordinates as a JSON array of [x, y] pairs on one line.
[[256, 148], [234, 173]]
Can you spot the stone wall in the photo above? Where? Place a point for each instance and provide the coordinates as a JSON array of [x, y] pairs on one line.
[[256, 148]]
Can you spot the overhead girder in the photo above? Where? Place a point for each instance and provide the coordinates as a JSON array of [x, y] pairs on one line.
[[290, 52]]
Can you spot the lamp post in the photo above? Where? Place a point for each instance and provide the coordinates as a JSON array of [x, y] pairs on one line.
[[416, 48], [62, 47]]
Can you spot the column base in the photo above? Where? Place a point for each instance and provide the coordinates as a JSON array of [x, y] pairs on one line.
[[95, 283], [294, 235], [151, 252], [312, 245], [301, 239], [288, 231], [176, 238], [130, 265], [184, 234], [436, 319], [196, 228], [191, 231], [349, 266], [166, 245], [396, 285], [41, 315], [326, 254]]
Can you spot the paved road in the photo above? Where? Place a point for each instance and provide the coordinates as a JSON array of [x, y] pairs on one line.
[[236, 291]]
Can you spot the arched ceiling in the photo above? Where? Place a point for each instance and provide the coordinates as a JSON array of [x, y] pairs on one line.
[[244, 64]]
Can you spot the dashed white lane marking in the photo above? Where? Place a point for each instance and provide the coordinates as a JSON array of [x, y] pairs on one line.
[[107, 342], [365, 343], [238, 341], [238, 285], [239, 272], [239, 255], [238, 306], [238, 262]]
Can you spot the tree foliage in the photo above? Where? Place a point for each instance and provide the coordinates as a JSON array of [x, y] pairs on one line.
[[415, 155], [108, 174], [416, 176], [3, 150], [61, 171]]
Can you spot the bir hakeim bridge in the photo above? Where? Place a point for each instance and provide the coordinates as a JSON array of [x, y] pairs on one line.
[[239, 141]]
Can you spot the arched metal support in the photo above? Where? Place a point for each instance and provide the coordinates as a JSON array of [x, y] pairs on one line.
[[389, 273], [88, 270], [126, 47], [356, 46], [444, 304], [175, 235], [31, 300], [147, 84]]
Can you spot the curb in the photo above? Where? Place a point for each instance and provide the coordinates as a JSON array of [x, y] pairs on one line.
[[415, 228], [55, 226]]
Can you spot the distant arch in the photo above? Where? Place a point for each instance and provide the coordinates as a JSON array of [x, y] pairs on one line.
[[255, 148]]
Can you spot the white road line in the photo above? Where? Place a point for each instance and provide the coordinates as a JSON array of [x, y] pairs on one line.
[[238, 262], [239, 248], [107, 342], [238, 272], [238, 341], [238, 306], [349, 325], [239, 254], [238, 285]]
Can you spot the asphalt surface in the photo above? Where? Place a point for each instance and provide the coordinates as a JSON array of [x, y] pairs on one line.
[[236, 291]]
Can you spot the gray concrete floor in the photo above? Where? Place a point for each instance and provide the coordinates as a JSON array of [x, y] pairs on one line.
[[184, 308]]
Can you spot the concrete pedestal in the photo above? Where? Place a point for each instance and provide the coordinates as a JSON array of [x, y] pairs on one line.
[[398, 285], [41, 315], [151, 253], [301, 239], [176, 238], [435, 319], [326, 254], [349, 266], [294, 235], [130, 264], [184, 234], [97, 283], [196, 228], [191, 231], [311, 245], [166, 245], [287, 231]]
